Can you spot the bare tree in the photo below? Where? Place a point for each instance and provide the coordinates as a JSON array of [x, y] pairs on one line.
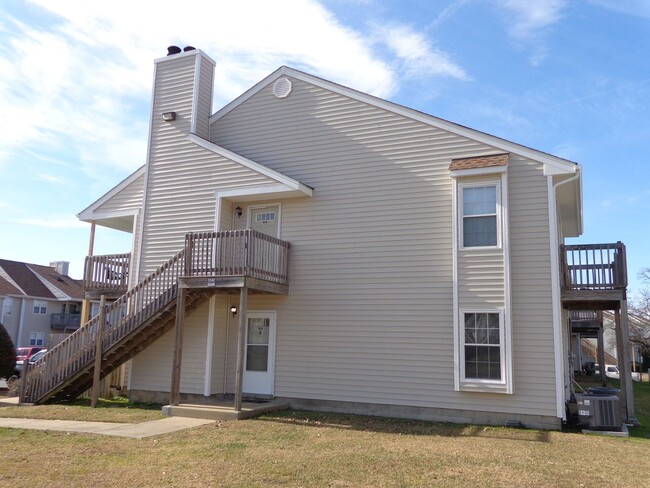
[[639, 318]]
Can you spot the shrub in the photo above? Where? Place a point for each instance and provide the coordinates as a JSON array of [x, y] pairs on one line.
[[7, 354]]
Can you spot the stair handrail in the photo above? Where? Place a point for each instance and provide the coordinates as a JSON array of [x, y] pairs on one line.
[[123, 316]]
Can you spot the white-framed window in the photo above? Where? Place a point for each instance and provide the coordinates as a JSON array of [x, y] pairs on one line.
[[40, 307], [482, 351], [37, 338], [7, 306], [484, 357], [479, 214]]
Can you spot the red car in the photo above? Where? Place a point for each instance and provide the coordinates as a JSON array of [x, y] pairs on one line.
[[23, 353]]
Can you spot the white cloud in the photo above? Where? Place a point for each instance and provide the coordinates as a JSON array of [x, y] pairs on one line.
[[50, 178], [528, 18], [527, 21], [416, 54], [640, 8]]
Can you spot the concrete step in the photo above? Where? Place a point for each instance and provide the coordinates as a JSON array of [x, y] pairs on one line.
[[223, 410]]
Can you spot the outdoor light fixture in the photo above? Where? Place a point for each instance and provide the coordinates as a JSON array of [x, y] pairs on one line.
[[169, 116], [239, 211], [233, 310]]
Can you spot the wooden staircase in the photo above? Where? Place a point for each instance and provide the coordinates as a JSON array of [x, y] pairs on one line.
[[130, 324]]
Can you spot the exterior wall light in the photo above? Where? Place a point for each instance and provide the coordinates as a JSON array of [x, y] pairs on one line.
[[169, 116], [233, 310], [239, 211]]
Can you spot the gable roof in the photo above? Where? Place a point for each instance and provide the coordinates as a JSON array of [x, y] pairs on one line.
[[123, 221], [39, 281], [552, 164], [287, 185]]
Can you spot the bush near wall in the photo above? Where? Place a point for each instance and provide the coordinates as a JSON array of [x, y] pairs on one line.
[[7, 354]]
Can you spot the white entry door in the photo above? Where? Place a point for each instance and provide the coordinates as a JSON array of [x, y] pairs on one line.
[[259, 363], [266, 219]]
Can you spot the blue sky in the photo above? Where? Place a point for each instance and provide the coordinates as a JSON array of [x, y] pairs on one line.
[[569, 78]]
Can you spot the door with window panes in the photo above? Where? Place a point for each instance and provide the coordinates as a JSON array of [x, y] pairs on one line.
[[259, 362]]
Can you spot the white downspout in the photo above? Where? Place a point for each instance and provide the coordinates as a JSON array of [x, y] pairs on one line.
[[21, 321], [558, 344]]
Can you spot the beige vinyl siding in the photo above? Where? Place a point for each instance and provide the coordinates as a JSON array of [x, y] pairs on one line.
[[152, 368], [182, 177], [369, 315], [127, 199], [219, 343], [530, 270], [204, 107]]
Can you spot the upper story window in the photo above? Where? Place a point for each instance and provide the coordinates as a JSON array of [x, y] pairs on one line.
[[479, 212], [7, 306], [40, 306]]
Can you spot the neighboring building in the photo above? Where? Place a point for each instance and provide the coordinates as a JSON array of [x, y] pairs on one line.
[[38, 302], [346, 254]]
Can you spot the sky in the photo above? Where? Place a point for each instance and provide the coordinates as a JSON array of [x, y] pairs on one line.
[[571, 78]]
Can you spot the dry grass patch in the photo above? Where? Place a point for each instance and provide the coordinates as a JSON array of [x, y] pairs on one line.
[[115, 410], [310, 449]]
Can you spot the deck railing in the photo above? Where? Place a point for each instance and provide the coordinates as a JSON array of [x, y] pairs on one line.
[[237, 253], [123, 316], [69, 321], [107, 272], [594, 266]]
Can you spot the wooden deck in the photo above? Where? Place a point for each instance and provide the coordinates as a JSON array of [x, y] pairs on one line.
[[593, 276]]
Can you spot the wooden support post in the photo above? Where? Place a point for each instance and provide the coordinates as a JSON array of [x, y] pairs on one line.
[[601, 354], [85, 304], [99, 339], [241, 347], [178, 347], [624, 364], [23, 382]]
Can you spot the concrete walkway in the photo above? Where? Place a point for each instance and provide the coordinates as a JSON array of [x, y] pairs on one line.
[[137, 431]]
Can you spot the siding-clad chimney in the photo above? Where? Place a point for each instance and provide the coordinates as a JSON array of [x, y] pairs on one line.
[[61, 267]]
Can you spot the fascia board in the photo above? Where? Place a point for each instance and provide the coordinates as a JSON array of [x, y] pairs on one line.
[[263, 191], [248, 163], [87, 214], [562, 165]]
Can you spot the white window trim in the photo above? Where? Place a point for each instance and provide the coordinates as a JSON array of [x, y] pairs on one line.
[[36, 337], [504, 385], [249, 215], [41, 305], [461, 218]]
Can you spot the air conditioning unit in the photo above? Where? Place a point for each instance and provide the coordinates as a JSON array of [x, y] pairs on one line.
[[599, 412]]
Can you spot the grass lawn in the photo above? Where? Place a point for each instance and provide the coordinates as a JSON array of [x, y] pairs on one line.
[[311, 449], [116, 410]]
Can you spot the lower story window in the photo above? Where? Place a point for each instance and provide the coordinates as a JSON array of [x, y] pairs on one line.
[[482, 346], [36, 338]]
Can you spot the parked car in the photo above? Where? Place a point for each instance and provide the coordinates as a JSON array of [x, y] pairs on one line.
[[23, 353], [31, 358], [611, 370]]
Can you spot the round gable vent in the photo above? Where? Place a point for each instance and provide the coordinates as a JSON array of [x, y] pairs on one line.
[[282, 88]]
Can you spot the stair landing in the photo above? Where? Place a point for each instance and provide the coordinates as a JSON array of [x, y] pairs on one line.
[[223, 410]]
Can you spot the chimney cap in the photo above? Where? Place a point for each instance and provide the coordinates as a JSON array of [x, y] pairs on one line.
[[173, 50]]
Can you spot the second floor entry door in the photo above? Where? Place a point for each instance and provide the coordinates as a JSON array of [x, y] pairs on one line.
[[266, 219]]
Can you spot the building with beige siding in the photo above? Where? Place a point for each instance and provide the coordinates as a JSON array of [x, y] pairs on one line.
[[315, 244]]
